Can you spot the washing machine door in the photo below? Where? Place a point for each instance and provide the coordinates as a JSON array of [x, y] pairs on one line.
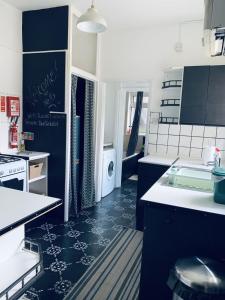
[[111, 169]]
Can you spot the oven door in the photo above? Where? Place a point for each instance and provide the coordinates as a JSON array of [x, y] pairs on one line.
[[15, 181]]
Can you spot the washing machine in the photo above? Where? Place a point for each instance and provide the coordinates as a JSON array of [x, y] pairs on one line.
[[108, 171]]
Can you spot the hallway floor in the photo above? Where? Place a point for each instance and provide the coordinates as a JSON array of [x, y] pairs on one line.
[[69, 249]]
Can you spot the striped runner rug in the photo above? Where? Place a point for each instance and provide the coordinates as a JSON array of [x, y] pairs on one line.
[[115, 274]]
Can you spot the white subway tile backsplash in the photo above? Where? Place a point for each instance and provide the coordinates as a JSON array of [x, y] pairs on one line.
[[173, 140], [196, 142], [174, 129], [185, 141], [154, 118], [220, 143], [186, 130], [196, 154], [223, 159], [184, 152], [153, 128], [161, 150], [209, 142], [162, 139], [198, 131], [153, 138], [172, 151], [163, 129], [152, 149], [221, 132], [210, 131]]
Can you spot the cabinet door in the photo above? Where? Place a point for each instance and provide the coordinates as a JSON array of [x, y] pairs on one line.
[[215, 106], [159, 253], [170, 234], [218, 19], [194, 95], [148, 174]]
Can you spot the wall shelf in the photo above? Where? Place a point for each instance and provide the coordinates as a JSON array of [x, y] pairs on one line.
[[37, 178], [171, 84], [37, 185], [170, 102], [168, 120]]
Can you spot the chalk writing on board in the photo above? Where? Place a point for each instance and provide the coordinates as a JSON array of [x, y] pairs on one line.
[[43, 120], [43, 92]]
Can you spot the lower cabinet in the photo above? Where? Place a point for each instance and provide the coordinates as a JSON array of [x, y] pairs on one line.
[[171, 233], [148, 174]]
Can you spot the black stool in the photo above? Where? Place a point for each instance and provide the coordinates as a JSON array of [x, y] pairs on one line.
[[197, 278]]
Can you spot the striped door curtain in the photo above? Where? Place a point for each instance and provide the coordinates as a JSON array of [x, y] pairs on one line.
[[82, 187], [74, 162], [88, 170]]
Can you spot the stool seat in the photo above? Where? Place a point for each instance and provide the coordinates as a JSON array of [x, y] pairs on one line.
[[192, 277]]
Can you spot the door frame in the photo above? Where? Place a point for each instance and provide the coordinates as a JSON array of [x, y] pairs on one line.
[[124, 88]]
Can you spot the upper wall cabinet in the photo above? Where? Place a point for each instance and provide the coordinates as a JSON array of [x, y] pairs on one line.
[[203, 96], [45, 29], [218, 19], [215, 104], [194, 95]]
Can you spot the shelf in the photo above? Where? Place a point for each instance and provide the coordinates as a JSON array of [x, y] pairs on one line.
[[22, 268], [170, 102], [171, 84], [168, 120], [37, 178]]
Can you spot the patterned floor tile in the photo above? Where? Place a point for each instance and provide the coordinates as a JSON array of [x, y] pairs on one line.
[[69, 249]]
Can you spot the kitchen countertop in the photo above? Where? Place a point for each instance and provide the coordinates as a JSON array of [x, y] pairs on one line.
[[158, 160], [17, 208], [32, 155], [169, 161], [161, 193]]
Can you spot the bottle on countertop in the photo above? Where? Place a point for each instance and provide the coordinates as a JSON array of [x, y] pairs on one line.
[[22, 145]]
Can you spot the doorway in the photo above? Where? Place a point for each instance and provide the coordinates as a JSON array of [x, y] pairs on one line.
[[125, 112]]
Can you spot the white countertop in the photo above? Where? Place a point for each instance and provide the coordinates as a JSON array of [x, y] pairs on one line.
[[20, 207], [158, 160], [168, 161], [32, 155], [162, 193]]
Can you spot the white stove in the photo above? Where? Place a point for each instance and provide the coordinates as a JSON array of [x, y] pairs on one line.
[[13, 172]]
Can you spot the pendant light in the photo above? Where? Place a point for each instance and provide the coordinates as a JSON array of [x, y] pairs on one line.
[[91, 21]]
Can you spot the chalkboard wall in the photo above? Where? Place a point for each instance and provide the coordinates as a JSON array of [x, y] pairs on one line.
[[44, 82], [45, 29], [43, 92]]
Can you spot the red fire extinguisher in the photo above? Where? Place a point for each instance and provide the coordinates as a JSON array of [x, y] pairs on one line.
[[13, 136]]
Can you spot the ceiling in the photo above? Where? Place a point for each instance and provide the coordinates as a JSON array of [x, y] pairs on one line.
[[129, 14]]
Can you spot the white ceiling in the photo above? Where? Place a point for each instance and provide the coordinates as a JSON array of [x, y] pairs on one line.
[[129, 14]]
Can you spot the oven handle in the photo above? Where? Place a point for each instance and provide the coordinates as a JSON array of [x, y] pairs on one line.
[[19, 176]]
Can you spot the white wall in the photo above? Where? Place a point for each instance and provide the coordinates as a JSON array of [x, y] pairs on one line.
[[10, 62], [144, 54], [110, 110]]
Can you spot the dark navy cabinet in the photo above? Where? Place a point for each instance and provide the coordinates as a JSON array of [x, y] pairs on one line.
[[148, 174], [215, 104], [171, 233], [203, 96], [45, 29], [194, 95]]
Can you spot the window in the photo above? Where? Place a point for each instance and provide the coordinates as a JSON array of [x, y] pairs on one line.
[[131, 106]]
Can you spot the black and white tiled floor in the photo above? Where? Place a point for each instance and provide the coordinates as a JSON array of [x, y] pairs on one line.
[[70, 248]]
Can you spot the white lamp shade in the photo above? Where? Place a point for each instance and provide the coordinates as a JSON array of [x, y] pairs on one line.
[[91, 21]]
